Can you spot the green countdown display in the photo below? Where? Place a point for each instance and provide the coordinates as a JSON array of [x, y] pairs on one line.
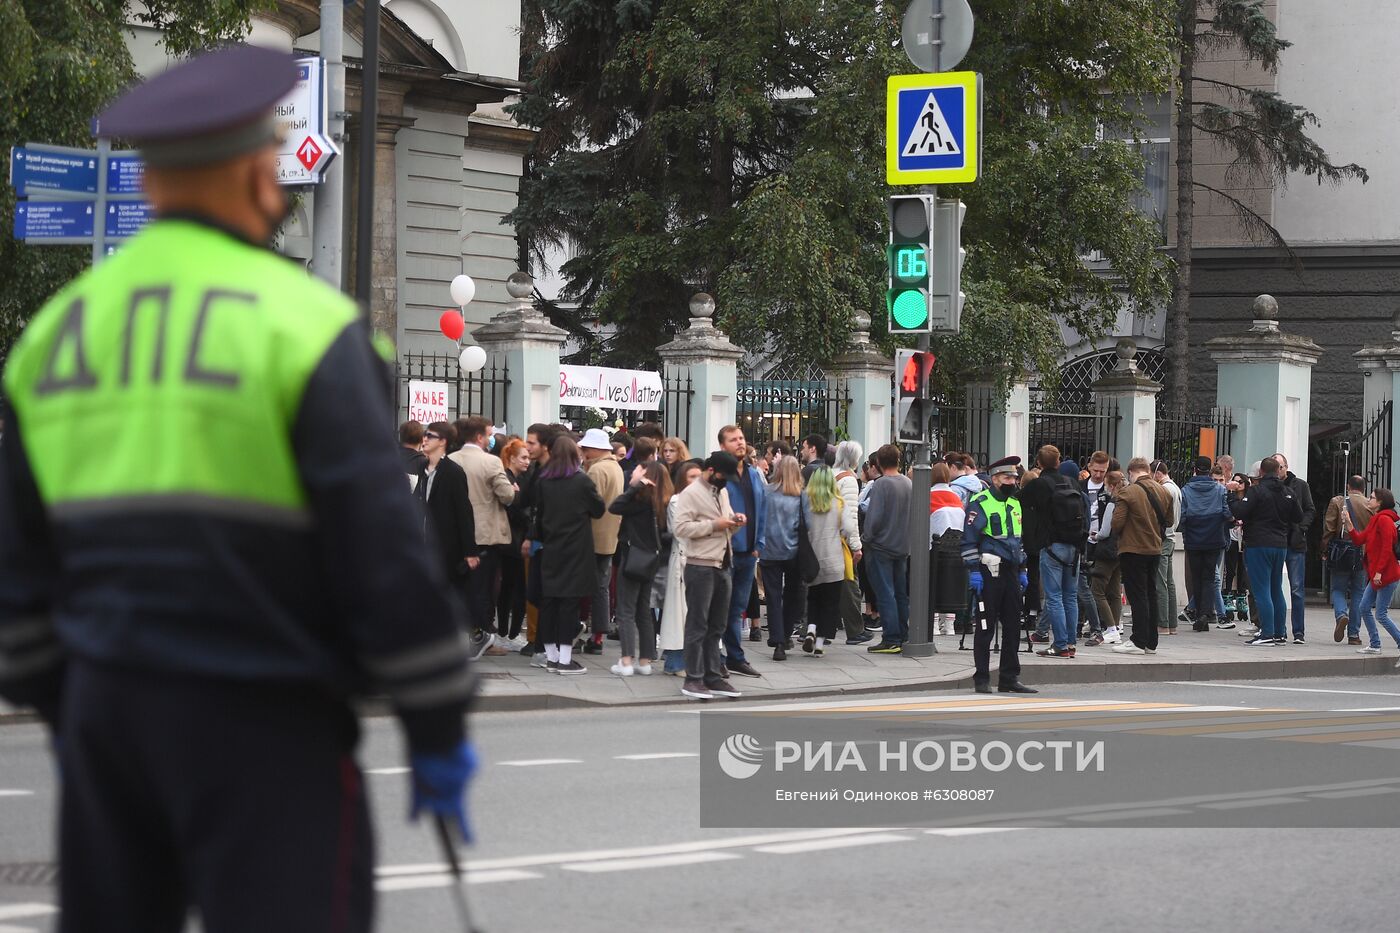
[[910, 263]]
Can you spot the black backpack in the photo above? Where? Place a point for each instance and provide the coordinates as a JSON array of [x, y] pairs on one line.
[[1068, 511]]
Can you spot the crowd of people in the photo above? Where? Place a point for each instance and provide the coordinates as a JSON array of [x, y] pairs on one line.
[[563, 541]]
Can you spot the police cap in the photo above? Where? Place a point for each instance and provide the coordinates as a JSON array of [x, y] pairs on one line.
[[1005, 465], [211, 108]]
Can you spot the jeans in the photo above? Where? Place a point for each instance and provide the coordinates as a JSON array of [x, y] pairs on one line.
[[602, 595], [1140, 582], [1219, 590], [1166, 586], [889, 577], [1347, 589], [1265, 568], [1088, 606], [745, 565], [1297, 571], [481, 591], [636, 629], [707, 592], [787, 599], [1059, 576], [1379, 601], [1202, 565]]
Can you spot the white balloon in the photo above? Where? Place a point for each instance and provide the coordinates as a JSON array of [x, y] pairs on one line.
[[463, 290], [473, 358]]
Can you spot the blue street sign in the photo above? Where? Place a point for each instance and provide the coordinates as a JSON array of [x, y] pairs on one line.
[[932, 126], [53, 220], [124, 175], [126, 218], [34, 171]]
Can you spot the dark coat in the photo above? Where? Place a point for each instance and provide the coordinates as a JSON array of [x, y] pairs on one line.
[[1267, 509], [638, 520], [564, 512], [518, 513], [451, 525], [414, 461], [1298, 533], [1205, 515]]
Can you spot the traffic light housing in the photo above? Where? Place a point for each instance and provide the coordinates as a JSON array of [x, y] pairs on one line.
[[925, 259], [914, 406], [910, 261], [946, 298]]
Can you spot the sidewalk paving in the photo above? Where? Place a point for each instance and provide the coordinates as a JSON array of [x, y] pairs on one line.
[[509, 683]]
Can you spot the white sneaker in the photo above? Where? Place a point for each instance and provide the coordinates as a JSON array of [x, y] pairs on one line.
[[1249, 631], [1112, 636], [1368, 650], [643, 669], [539, 659], [622, 670], [1129, 648]]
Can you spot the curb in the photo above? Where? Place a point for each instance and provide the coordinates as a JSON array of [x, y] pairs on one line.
[[1047, 674], [1042, 675]]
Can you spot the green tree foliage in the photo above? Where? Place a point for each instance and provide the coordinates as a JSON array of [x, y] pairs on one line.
[[1265, 136], [61, 61], [692, 145]]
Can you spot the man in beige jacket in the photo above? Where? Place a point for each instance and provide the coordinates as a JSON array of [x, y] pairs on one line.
[[490, 491], [602, 467], [705, 520], [1346, 584]]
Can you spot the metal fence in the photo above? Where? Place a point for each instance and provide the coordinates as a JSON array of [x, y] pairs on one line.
[[1183, 436], [790, 409], [1374, 461], [962, 427], [1076, 429], [480, 393]]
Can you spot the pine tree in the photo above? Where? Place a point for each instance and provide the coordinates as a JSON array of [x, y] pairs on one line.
[[1265, 136]]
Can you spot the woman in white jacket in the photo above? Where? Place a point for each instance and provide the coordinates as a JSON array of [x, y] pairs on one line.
[[848, 460], [669, 589]]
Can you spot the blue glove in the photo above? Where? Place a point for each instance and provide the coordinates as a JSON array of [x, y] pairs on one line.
[[440, 785], [974, 580], [1022, 579]]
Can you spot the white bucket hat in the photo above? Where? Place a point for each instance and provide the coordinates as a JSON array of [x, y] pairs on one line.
[[596, 438]]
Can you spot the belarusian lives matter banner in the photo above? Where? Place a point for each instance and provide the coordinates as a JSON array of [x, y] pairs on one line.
[[600, 387]]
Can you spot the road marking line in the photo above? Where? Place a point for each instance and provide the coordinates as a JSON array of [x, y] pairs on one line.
[[444, 879], [1251, 802], [534, 762], [971, 830], [388, 771], [16, 793], [702, 845], [1138, 814], [637, 864], [656, 756], [1359, 792], [20, 911], [1341, 737], [819, 845], [9, 929], [1364, 693]]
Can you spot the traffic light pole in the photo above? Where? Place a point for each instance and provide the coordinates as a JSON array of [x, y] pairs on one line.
[[920, 643]]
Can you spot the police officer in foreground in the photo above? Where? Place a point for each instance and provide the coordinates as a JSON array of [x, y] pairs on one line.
[[996, 564], [206, 552]]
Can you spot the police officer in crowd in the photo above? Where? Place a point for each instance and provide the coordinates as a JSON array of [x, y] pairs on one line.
[[996, 564], [206, 550]]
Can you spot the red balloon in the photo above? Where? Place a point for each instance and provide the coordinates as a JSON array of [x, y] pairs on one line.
[[452, 325]]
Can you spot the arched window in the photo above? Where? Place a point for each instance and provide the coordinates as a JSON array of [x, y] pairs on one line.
[[1079, 374]]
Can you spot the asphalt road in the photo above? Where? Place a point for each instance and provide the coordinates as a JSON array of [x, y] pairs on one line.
[[590, 821]]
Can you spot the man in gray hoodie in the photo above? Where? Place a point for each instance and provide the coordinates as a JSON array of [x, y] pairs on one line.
[[886, 542]]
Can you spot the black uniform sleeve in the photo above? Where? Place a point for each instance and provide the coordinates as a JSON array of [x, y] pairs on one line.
[[31, 655], [402, 622]]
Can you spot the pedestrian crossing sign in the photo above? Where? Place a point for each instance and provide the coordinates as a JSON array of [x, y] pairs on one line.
[[933, 127]]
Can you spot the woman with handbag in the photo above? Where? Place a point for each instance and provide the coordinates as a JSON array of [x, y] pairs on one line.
[[1106, 577], [787, 591], [671, 592], [1377, 541], [642, 505], [821, 559]]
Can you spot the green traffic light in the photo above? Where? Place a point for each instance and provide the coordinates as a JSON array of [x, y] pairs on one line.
[[910, 309]]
